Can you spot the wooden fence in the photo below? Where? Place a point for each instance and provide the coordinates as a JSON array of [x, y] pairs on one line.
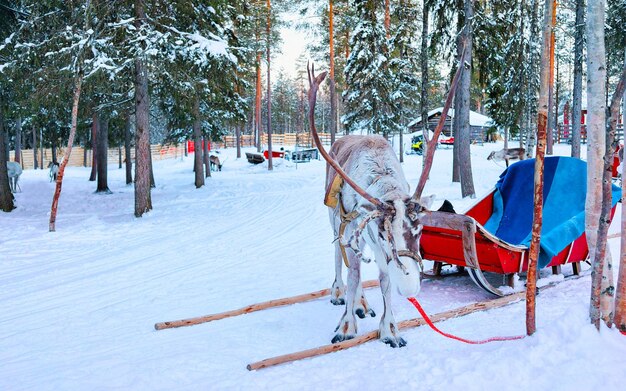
[[302, 139], [81, 157]]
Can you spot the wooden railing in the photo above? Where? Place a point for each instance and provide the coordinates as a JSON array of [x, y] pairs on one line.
[[80, 157]]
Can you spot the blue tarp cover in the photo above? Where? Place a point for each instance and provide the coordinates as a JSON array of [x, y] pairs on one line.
[[564, 191]]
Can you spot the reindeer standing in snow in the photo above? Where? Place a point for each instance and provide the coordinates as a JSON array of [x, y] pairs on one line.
[[375, 206], [14, 169]]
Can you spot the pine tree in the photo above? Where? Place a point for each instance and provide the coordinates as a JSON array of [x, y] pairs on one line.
[[368, 95]]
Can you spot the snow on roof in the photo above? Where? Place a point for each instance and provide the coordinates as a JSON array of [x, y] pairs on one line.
[[476, 119]]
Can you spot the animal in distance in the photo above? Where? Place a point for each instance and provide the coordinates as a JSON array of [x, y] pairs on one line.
[[378, 208], [14, 170], [54, 170], [507, 154], [214, 163]]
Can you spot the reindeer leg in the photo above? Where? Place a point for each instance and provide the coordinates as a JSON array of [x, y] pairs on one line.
[[388, 332], [338, 290], [347, 325]]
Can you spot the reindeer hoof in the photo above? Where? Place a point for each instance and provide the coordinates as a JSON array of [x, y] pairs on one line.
[[361, 313], [341, 338], [338, 301], [397, 342]]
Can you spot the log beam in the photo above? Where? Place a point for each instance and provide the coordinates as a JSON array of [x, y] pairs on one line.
[[254, 307]]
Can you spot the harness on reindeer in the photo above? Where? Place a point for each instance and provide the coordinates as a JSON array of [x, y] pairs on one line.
[[332, 198]]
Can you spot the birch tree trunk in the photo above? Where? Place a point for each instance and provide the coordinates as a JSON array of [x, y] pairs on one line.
[[59, 183], [596, 109], [578, 76], [551, 119], [607, 289], [542, 123]]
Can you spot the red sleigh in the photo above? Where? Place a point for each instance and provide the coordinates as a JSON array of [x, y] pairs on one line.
[[463, 240]]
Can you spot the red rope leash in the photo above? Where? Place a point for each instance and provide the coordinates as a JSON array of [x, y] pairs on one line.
[[469, 341]]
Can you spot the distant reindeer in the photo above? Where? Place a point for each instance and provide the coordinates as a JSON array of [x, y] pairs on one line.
[[54, 170], [214, 162], [14, 169], [507, 154]]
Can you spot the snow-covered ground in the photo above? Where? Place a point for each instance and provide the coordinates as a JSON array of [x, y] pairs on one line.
[[78, 306]]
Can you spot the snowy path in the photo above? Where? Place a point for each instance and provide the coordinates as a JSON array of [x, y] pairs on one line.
[[77, 307]]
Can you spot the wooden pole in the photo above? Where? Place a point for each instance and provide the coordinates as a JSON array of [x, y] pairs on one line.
[[372, 335], [547, 61], [254, 307]]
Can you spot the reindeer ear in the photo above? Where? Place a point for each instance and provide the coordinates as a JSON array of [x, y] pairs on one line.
[[427, 202]]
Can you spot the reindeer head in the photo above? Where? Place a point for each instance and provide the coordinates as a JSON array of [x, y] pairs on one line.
[[393, 233], [491, 155], [390, 225]]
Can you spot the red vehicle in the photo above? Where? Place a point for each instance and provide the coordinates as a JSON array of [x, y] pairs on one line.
[[278, 154]]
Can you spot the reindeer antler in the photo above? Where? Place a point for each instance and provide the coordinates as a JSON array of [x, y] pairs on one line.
[[314, 83]]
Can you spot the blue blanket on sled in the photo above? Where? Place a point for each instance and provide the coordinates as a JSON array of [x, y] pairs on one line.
[[565, 187]]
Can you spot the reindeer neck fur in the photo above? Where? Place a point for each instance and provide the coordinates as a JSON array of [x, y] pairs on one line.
[[373, 165]]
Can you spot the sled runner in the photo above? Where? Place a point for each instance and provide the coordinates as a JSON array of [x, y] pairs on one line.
[[494, 235]]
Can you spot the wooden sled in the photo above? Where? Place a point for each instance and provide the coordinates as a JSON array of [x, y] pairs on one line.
[[462, 240]]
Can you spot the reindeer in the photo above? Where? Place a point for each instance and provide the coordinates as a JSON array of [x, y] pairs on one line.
[[507, 154], [54, 170], [214, 162], [14, 170], [377, 207]]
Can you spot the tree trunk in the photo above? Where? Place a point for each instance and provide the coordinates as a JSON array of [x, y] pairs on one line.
[[462, 114], [270, 165], [127, 153], [596, 109], [103, 155], [95, 123], [197, 141], [143, 197], [59, 183], [152, 183], [257, 106], [35, 159], [424, 86], [551, 119], [456, 169], [620, 295], [542, 122], [205, 156], [578, 76], [18, 140], [238, 139], [53, 148], [6, 197], [119, 155], [331, 80]]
